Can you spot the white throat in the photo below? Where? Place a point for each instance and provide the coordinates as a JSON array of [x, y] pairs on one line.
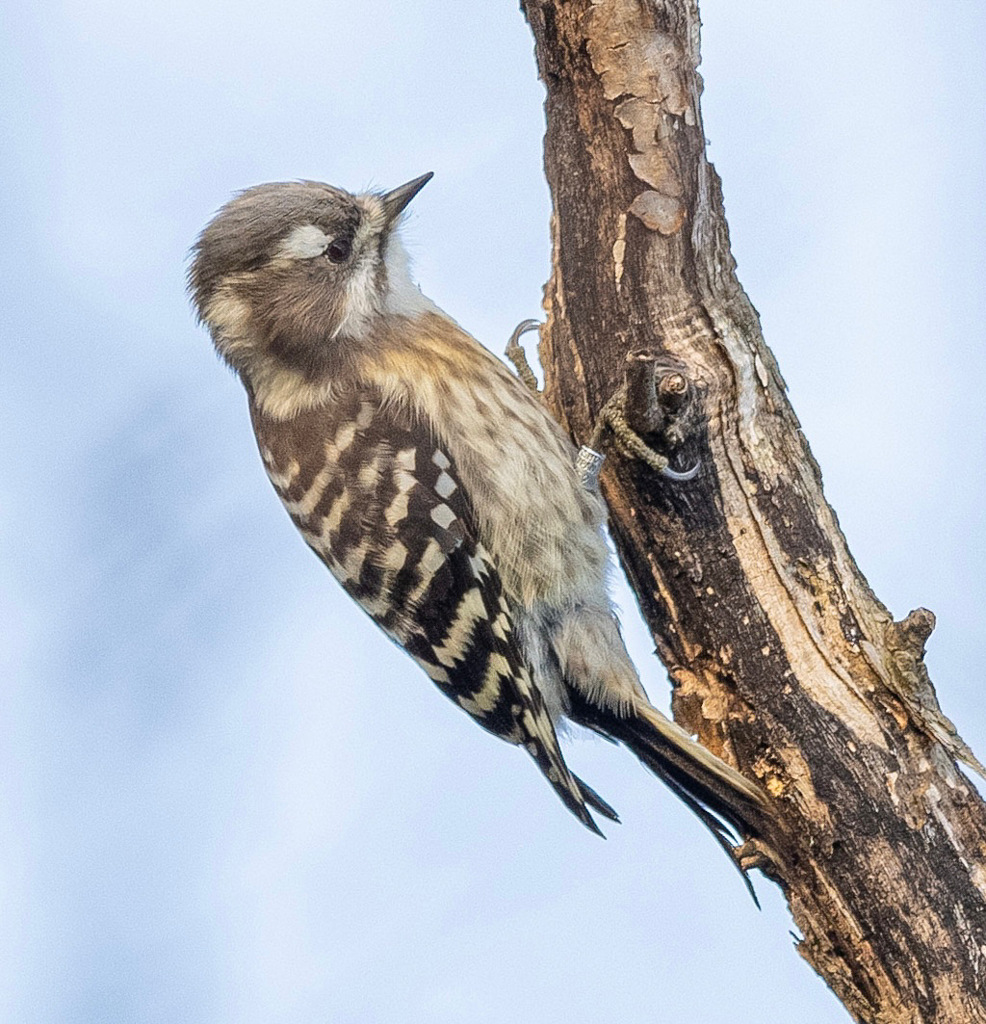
[[404, 297]]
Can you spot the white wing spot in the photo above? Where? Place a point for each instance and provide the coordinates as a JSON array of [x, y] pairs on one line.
[[344, 436], [282, 481], [441, 460], [396, 511], [369, 474], [444, 485], [468, 704], [365, 415], [429, 563], [305, 505], [333, 520], [443, 516], [471, 609], [352, 565], [435, 672], [432, 559], [406, 459], [497, 668], [395, 557], [376, 607], [404, 481]]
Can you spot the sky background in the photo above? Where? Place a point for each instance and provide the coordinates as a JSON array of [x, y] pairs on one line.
[[224, 797]]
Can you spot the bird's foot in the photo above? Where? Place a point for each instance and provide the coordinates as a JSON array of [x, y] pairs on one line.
[[752, 855], [653, 401], [516, 354]]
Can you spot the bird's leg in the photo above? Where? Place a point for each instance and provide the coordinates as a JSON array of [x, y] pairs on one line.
[[652, 401], [645, 404], [516, 354], [612, 418], [588, 462]]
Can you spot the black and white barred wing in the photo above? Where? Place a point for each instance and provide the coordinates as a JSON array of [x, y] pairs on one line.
[[379, 501]]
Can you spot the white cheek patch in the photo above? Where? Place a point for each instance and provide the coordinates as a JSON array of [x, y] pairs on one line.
[[304, 242], [361, 300]]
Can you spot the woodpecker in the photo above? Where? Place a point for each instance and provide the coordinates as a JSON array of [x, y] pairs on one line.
[[434, 485]]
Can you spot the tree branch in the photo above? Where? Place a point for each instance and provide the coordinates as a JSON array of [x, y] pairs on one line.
[[781, 657]]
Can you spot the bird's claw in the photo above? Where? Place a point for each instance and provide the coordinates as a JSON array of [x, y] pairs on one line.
[[682, 475], [516, 354]]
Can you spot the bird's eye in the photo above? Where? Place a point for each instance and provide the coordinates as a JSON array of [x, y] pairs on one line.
[[339, 249]]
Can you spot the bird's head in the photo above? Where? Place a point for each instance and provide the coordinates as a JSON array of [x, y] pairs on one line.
[[291, 274]]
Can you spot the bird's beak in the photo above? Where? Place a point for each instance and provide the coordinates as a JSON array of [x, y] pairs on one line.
[[394, 202]]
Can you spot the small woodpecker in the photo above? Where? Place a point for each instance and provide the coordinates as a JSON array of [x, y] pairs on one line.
[[434, 485]]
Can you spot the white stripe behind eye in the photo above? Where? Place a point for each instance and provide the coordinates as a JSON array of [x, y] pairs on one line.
[[303, 242]]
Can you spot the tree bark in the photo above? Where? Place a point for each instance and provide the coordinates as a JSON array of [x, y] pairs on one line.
[[782, 659]]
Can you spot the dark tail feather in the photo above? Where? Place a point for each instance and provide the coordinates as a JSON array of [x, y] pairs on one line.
[[688, 768], [575, 798], [725, 827], [595, 801], [729, 805], [574, 793]]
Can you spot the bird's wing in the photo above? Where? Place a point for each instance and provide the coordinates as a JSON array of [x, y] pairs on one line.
[[379, 501]]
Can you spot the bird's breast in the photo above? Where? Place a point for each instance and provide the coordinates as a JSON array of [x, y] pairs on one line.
[[516, 464]]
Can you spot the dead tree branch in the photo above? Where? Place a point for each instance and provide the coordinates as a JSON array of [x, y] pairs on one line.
[[782, 659]]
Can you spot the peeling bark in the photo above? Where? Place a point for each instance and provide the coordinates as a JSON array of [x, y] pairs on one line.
[[781, 657]]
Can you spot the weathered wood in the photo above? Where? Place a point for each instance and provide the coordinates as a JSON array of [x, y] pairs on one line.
[[782, 659]]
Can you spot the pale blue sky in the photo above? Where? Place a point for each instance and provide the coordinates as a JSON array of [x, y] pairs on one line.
[[224, 797]]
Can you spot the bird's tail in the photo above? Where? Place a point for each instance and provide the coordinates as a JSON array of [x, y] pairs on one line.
[[728, 804], [693, 772]]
